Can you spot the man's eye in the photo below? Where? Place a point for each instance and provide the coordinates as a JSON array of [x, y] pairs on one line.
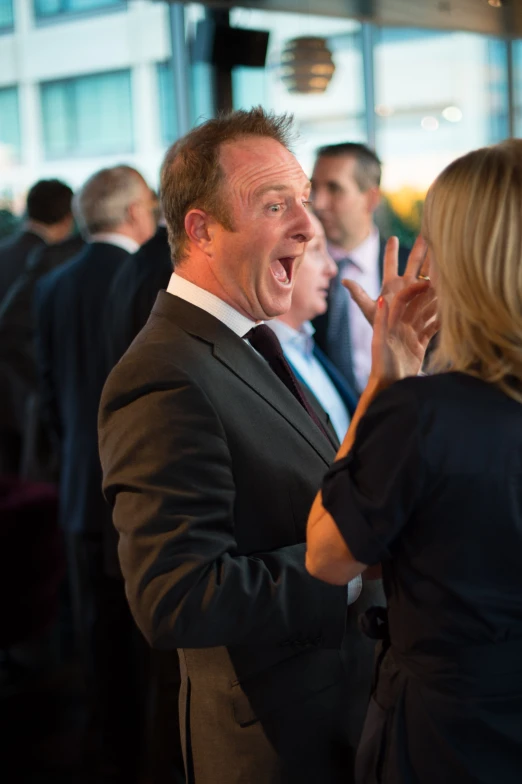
[[307, 203], [274, 208]]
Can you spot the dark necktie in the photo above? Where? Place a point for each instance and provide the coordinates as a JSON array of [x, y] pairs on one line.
[[266, 343], [338, 336]]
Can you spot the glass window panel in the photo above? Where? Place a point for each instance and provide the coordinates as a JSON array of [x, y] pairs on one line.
[[438, 95], [6, 14], [333, 116], [91, 115], [45, 8], [201, 74], [202, 93], [9, 125], [85, 5], [58, 112], [48, 7], [167, 104], [104, 114]]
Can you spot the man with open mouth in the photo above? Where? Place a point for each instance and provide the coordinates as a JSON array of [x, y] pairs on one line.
[[212, 457]]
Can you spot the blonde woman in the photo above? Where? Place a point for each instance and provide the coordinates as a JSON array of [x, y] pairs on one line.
[[430, 486]]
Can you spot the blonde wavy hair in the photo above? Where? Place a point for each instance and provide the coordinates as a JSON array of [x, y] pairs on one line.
[[472, 222]]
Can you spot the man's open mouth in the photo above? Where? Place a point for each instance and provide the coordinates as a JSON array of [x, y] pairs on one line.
[[282, 269]]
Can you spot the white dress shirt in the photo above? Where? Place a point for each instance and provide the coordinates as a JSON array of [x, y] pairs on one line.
[[239, 324], [113, 238], [298, 348], [364, 270], [203, 299]]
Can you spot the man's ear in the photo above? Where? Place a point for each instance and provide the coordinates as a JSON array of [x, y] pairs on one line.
[[373, 198], [199, 226]]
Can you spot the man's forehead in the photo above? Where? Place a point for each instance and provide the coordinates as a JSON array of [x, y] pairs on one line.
[[260, 163], [252, 151]]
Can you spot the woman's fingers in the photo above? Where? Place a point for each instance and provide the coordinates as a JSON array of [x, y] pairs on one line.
[[390, 267], [403, 299], [361, 298], [430, 330], [380, 323], [425, 311], [416, 258]]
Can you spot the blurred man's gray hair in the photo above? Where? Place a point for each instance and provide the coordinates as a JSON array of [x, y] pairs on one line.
[[101, 204]]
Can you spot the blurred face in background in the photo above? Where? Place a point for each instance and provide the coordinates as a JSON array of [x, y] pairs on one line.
[[309, 298], [142, 214], [345, 210]]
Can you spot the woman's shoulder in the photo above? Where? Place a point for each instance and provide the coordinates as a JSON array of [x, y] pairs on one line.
[[450, 401], [451, 386]]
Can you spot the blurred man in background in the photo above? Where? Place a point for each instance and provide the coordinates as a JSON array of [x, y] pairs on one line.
[[115, 212], [48, 220], [43, 242], [346, 193], [133, 292]]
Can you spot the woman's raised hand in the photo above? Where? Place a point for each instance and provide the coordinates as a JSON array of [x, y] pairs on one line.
[[404, 317]]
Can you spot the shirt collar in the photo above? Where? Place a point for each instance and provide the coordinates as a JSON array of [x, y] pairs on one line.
[[301, 339], [201, 298], [363, 256], [113, 238]]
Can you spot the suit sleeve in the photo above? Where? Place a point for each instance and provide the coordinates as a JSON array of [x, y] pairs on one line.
[[168, 472]]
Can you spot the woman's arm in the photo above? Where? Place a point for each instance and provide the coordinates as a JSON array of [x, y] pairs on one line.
[[404, 320]]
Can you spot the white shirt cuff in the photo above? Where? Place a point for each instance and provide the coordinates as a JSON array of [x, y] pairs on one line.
[[354, 589]]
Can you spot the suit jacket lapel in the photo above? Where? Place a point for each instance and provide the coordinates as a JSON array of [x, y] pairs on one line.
[[246, 364]]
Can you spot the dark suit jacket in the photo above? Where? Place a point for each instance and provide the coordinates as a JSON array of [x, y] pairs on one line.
[[321, 323], [70, 338], [18, 373], [16, 309], [14, 252], [133, 291], [211, 466]]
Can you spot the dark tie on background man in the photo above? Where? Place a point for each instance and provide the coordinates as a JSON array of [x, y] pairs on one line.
[[338, 336], [266, 343]]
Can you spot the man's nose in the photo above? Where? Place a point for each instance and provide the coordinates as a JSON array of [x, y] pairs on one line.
[[330, 267], [305, 229]]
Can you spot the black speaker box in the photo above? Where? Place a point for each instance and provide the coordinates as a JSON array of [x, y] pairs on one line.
[[229, 46]]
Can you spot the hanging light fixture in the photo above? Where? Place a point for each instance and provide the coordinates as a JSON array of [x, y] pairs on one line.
[[306, 65]]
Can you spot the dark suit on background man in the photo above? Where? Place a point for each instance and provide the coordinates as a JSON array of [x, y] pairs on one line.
[[70, 342], [14, 252], [133, 291], [18, 373], [115, 209], [73, 374]]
